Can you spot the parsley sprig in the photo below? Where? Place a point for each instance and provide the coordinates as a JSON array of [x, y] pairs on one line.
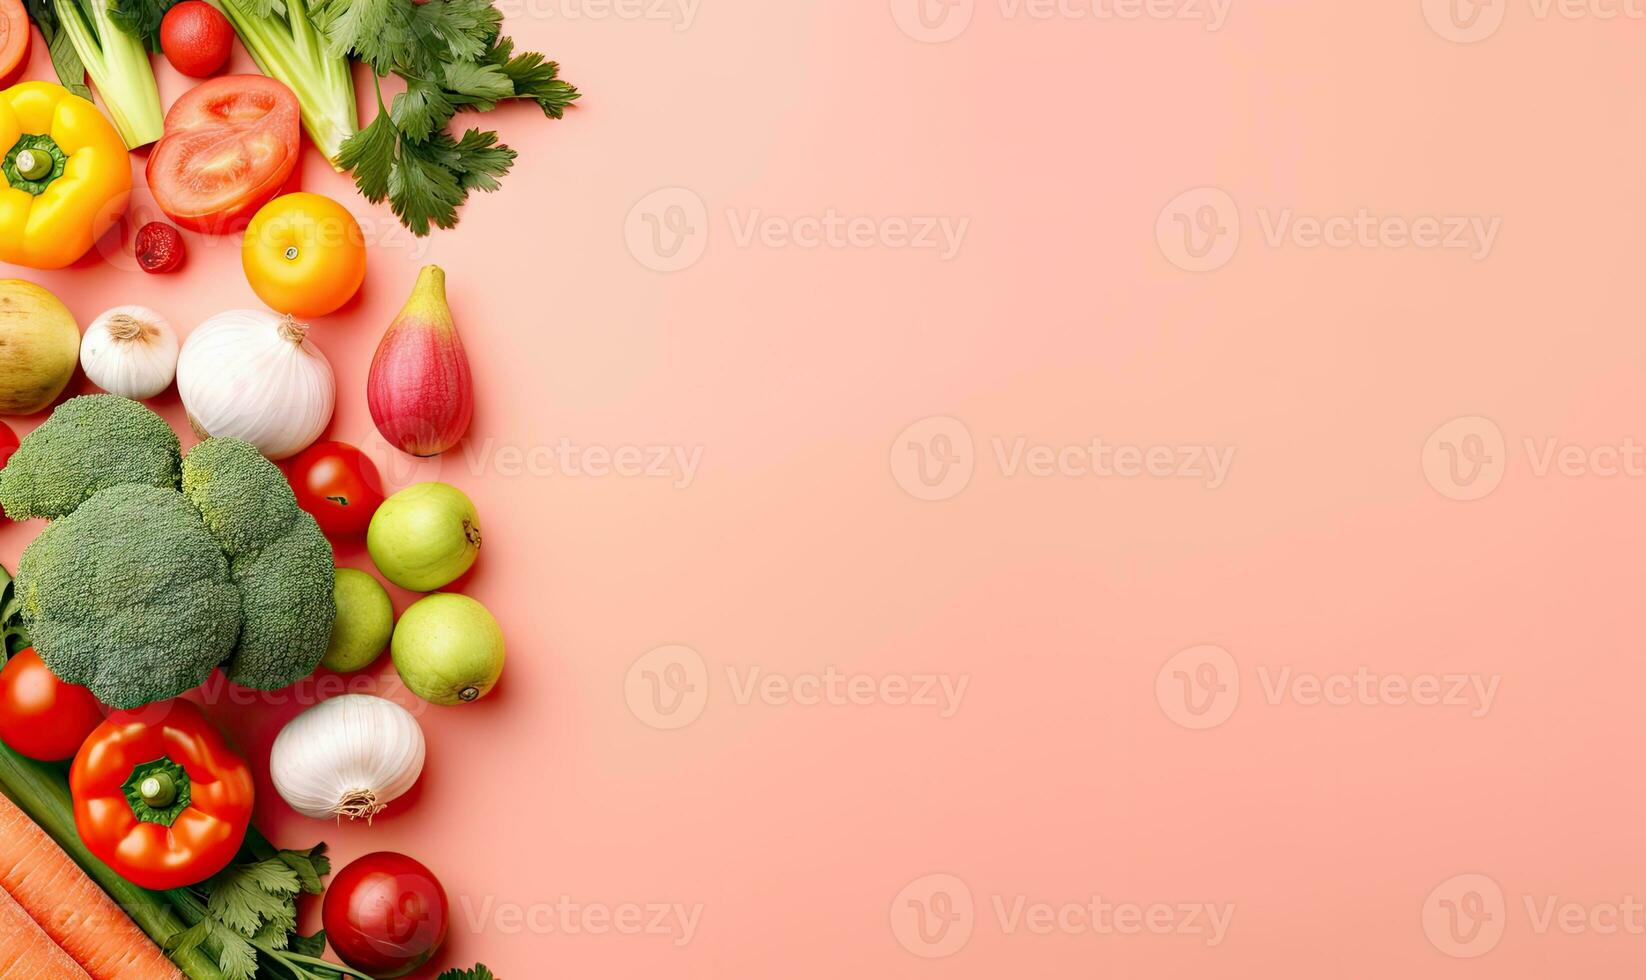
[[453, 58]]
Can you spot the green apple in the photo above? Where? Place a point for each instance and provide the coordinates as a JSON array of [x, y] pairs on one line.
[[365, 621], [425, 536], [448, 649]]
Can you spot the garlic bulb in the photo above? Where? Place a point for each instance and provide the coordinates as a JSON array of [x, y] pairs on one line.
[[130, 351], [256, 376], [347, 757]]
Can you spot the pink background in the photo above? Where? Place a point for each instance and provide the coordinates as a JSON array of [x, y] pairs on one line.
[[1338, 541]]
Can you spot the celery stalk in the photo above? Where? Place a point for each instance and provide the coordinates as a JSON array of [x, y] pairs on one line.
[[119, 64], [287, 45]]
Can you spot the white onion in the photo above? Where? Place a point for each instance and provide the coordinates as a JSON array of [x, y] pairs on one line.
[[256, 376], [130, 351], [347, 757]]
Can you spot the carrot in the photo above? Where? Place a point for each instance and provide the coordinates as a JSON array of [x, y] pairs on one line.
[[26, 952], [70, 908]]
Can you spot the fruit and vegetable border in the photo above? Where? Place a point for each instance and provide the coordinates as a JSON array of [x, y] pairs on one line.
[[159, 566]]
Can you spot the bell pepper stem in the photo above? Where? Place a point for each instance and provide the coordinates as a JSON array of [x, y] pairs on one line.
[[158, 790]]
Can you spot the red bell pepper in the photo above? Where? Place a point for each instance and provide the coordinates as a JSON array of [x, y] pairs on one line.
[[159, 796]]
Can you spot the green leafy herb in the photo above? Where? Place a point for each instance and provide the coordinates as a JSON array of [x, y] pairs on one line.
[[478, 973], [71, 72], [246, 916], [141, 19], [14, 638], [453, 59]]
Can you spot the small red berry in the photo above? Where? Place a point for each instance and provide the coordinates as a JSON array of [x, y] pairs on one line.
[[159, 247], [196, 38]]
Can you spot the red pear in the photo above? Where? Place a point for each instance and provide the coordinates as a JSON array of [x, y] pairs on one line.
[[419, 390]]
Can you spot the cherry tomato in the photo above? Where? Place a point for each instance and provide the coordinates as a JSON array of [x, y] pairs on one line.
[[15, 38], [385, 914], [338, 484], [40, 716], [304, 254], [196, 38], [230, 145], [8, 443]]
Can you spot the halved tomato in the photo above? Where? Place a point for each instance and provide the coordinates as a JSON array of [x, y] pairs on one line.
[[14, 40], [230, 146]]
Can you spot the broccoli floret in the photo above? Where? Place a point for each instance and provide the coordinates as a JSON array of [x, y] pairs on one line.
[[244, 499], [129, 596], [287, 608], [89, 444]]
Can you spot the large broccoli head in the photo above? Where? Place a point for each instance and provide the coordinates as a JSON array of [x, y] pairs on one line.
[[148, 578]]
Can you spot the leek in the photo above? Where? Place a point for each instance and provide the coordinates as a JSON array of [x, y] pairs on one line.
[[286, 44], [119, 64]]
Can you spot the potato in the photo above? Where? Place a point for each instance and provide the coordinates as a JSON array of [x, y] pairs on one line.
[[39, 347]]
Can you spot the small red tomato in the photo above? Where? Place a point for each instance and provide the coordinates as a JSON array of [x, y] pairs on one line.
[[8, 443], [196, 38], [40, 716], [385, 914], [159, 248], [338, 484]]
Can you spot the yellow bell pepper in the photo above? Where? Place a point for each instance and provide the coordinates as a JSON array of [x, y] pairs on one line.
[[65, 178]]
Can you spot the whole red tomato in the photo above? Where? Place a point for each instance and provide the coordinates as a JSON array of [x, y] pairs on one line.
[[385, 914], [8, 443], [196, 38], [40, 716], [338, 484]]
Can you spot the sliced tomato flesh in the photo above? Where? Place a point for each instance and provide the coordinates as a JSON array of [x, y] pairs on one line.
[[230, 146]]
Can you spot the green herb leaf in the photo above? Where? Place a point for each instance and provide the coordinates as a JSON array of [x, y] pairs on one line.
[[71, 72], [421, 190], [534, 77], [479, 160], [478, 973], [421, 110], [478, 85], [370, 155], [140, 19]]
